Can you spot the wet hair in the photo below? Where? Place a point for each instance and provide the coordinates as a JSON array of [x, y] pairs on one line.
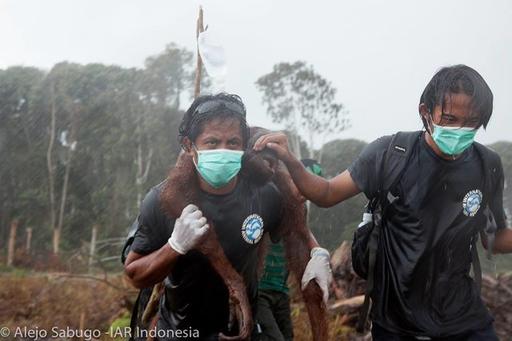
[[205, 108], [459, 79]]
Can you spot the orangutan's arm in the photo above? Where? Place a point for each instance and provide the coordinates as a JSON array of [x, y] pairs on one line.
[[146, 270]]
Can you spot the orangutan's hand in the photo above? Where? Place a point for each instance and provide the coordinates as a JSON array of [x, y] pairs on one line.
[[278, 142]]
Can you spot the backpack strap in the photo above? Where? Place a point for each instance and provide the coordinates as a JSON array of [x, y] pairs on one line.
[[393, 166], [397, 156]]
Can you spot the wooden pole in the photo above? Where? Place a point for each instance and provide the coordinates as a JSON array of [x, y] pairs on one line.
[[12, 242], [29, 239], [199, 65], [92, 250]]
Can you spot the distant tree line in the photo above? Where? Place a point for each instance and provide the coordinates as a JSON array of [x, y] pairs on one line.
[[80, 145]]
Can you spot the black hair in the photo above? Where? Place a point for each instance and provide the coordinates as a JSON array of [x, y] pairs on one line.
[[458, 79], [230, 106]]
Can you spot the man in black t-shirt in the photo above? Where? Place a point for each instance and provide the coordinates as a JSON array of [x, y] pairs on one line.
[[196, 300], [423, 289]]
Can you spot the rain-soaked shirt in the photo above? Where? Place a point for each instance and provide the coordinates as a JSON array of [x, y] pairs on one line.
[[195, 296], [422, 281]]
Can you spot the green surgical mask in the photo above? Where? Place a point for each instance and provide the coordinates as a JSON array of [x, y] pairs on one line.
[[453, 140], [218, 166]]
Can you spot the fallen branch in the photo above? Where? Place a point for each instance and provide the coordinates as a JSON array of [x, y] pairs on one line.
[[348, 305]]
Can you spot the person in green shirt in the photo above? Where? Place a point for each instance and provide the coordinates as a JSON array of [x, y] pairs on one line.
[[273, 312]]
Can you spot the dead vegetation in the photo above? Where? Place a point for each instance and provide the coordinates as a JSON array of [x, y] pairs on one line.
[[81, 301], [47, 300]]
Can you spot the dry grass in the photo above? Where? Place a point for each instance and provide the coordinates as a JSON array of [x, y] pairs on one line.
[[45, 301]]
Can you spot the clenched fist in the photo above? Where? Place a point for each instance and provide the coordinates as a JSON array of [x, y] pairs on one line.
[[189, 229]]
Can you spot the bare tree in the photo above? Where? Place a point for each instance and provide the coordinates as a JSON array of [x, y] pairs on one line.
[[305, 102]]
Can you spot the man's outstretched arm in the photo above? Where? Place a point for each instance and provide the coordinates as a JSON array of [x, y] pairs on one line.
[[322, 192]]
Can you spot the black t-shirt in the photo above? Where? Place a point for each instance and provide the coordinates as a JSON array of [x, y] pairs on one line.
[[195, 295], [422, 283]]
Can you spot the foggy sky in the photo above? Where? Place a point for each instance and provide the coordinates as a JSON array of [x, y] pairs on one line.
[[378, 54]]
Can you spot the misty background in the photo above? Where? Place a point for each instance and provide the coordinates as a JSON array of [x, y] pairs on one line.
[[379, 55]]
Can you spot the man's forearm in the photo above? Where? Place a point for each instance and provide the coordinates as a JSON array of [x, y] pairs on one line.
[[312, 187], [152, 268], [503, 241]]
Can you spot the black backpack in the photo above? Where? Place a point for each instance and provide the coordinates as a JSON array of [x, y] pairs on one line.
[[365, 243]]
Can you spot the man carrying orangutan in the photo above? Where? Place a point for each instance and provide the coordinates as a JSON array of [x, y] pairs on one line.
[[214, 133]]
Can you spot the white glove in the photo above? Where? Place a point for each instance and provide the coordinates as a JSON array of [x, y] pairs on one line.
[[189, 228], [319, 269]]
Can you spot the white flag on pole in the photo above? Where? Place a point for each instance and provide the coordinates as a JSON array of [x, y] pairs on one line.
[[213, 56]]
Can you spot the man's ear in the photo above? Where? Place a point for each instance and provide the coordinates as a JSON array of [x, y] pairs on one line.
[[425, 116], [424, 111]]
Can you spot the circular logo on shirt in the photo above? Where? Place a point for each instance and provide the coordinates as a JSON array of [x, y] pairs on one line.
[[471, 202], [252, 229]]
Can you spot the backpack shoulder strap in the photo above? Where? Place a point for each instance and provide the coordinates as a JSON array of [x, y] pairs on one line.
[[397, 156]]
